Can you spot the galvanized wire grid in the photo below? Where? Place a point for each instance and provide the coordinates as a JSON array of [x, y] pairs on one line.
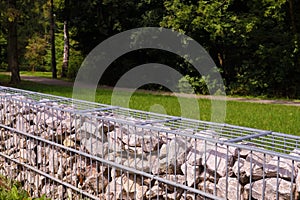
[[72, 149]]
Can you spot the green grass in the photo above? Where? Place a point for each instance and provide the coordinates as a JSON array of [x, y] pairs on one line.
[[40, 74], [279, 118]]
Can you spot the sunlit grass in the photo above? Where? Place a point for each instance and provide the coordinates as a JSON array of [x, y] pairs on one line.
[[40, 74], [279, 118]]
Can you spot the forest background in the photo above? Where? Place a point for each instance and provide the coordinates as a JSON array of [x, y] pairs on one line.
[[255, 44]]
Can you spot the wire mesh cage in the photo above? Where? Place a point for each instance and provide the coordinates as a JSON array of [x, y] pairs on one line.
[[71, 149]]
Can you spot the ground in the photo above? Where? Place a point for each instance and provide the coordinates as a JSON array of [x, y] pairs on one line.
[[58, 82]]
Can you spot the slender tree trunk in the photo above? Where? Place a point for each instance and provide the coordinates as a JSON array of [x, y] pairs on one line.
[[52, 35], [293, 8], [65, 65], [292, 16], [12, 46]]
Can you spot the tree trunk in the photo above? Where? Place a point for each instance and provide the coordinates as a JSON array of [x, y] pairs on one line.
[[292, 16], [52, 35], [65, 65], [293, 7], [12, 46]]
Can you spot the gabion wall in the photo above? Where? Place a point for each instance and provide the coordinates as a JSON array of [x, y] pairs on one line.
[[71, 149]]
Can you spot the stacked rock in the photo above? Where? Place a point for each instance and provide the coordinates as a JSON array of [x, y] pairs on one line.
[[107, 158]]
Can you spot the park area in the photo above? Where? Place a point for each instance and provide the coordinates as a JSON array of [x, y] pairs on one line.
[[192, 100], [72, 149]]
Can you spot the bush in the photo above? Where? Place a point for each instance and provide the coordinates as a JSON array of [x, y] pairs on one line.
[[10, 190], [36, 51], [188, 84], [75, 62]]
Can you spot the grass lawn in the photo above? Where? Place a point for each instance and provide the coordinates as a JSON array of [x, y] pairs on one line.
[[279, 118], [40, 74]]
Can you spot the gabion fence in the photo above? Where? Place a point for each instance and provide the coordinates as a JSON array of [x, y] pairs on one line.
[[71, 149]]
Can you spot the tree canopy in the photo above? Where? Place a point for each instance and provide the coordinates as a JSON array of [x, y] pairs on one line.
[[255, 44]]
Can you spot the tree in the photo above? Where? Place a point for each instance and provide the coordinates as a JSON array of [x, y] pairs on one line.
[[64, 69], [52, 41], [250, 41], [12, 46]]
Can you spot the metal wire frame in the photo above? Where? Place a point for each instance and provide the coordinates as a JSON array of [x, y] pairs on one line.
[[267, 139], [269, 143]]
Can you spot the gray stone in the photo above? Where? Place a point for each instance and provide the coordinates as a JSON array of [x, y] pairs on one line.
[[39, 182], [77, 122], [66, 125], [137, 161], [115, 173], [176, 195], [141, 192], [258, 158], [296, 153], [53, 160], [245, 152], [86, 129], [177, 151], [297, 181], [136, 150], [95, 146], [59, 192], [194, 157], [155, 192], [30, 144], [46, 190], [179, 179], [207, 187], [166, 137], [283, 167], [95, 182], [146, 140], [56, 192], [192, 173], [26, 155], [229, 187], [71, 178], [163, 151], [5, 135], [60, 171], [190, 196], [218, 160], [28, 119], [161, 166], [117, 157], [114, 189], [106, 126], [199, 146], [270, 191], [115, 142], [52, 122], [21, 176], [205, 176], [21, 124], [128, 185], [9, 143], [97, 129], [242, 169], [40, 154]]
